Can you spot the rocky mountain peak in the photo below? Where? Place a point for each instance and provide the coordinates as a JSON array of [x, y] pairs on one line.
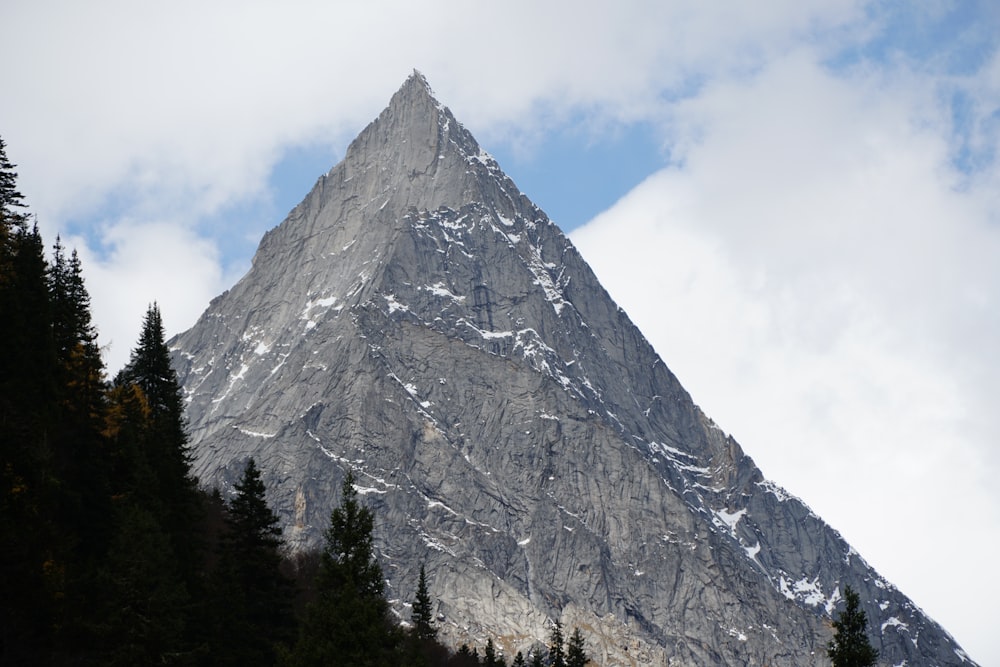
[[420, 322]]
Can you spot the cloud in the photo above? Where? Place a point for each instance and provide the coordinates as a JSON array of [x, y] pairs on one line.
[[141, 263], [816, 278]]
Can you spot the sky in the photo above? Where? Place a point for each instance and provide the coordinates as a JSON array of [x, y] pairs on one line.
[[797, 203]]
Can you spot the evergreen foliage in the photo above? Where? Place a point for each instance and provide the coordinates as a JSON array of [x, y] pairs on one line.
[[165, 485], [557, 651], [253, 598], [519, 660], [576, 655], [348, 621], [422, 614], [490, 656], [850, 646]]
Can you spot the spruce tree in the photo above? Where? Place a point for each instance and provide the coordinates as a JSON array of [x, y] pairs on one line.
[[557, 652], [490, 657], [33, 553], [348, 621], [576, 655], [536, 660], [145, 602], [850, 646], [519, 660], [422, 614], [169, 489], [79, 452], [254, 597]]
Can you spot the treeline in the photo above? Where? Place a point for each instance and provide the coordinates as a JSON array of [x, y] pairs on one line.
[[110, 554]]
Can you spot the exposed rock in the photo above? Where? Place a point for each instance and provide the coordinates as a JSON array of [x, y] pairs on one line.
[[416, 319]]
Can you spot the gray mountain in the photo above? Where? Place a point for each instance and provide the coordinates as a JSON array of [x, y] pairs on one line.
[[416, 319]]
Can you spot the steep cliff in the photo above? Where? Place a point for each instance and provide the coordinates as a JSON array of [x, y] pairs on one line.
[[416, 319]]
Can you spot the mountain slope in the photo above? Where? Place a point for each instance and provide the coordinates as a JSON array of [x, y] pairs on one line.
[[418, 320]]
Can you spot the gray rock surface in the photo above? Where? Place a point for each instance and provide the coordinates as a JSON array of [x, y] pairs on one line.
[[416, 319]]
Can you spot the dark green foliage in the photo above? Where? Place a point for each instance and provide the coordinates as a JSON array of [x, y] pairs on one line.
[[850, 646], [253, 598], [519, 660], [536, 660], [422, 614], [33, 552], [557, 651], [348, 621], [145, 597], [576, 655], [160, 463], [490, 657]]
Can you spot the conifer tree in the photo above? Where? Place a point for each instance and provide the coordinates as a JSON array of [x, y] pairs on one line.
[[79, 453], [557, 651], [348, 621], [576, 655], [519, 660], [850, 646], [255, 598], [422, 614], [32, 560], [169, 490], [536, 660], [145, 601], [490, 657]]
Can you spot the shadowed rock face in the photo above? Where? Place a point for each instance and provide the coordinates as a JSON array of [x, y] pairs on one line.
[[416, 319]]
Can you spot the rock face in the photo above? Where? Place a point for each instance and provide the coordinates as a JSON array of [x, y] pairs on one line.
[[416, 319]]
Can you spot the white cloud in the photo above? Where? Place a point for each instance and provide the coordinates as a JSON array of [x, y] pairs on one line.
[[827, 295], [142, 263]]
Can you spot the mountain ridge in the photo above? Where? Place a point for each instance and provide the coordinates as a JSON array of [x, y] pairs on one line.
[[419, 321]]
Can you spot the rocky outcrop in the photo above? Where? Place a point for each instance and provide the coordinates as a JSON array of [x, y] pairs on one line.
[[417, 320]]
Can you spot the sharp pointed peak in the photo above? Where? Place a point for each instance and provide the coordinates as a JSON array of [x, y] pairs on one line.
[[416, 87]]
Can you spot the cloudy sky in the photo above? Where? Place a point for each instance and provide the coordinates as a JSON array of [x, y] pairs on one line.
[[797, 202]]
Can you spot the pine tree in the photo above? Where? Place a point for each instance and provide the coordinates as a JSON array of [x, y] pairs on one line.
[[850, 646], [536, 660], [254, 598], [348, 621], [161, 458], [576, 655], [519, 660], [557, 655], [33, 553], [422, 614], [490, 657], [145, 601], [80, 456]]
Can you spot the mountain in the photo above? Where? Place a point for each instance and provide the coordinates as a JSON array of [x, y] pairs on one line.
[[417, 320]]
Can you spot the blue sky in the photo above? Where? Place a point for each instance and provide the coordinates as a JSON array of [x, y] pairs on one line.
[[797, 203]]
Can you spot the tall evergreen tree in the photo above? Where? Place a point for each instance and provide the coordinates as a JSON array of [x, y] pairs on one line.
[[255, 610], [422, 615], [348, 621], [557, 650], [79, 452], [145, 601], [153, 488], [850, 646], [576, 655], [169, 489], [536, 660], [32, 560], [519, 660]]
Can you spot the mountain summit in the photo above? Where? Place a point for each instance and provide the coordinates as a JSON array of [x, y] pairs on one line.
[[418, 321]]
